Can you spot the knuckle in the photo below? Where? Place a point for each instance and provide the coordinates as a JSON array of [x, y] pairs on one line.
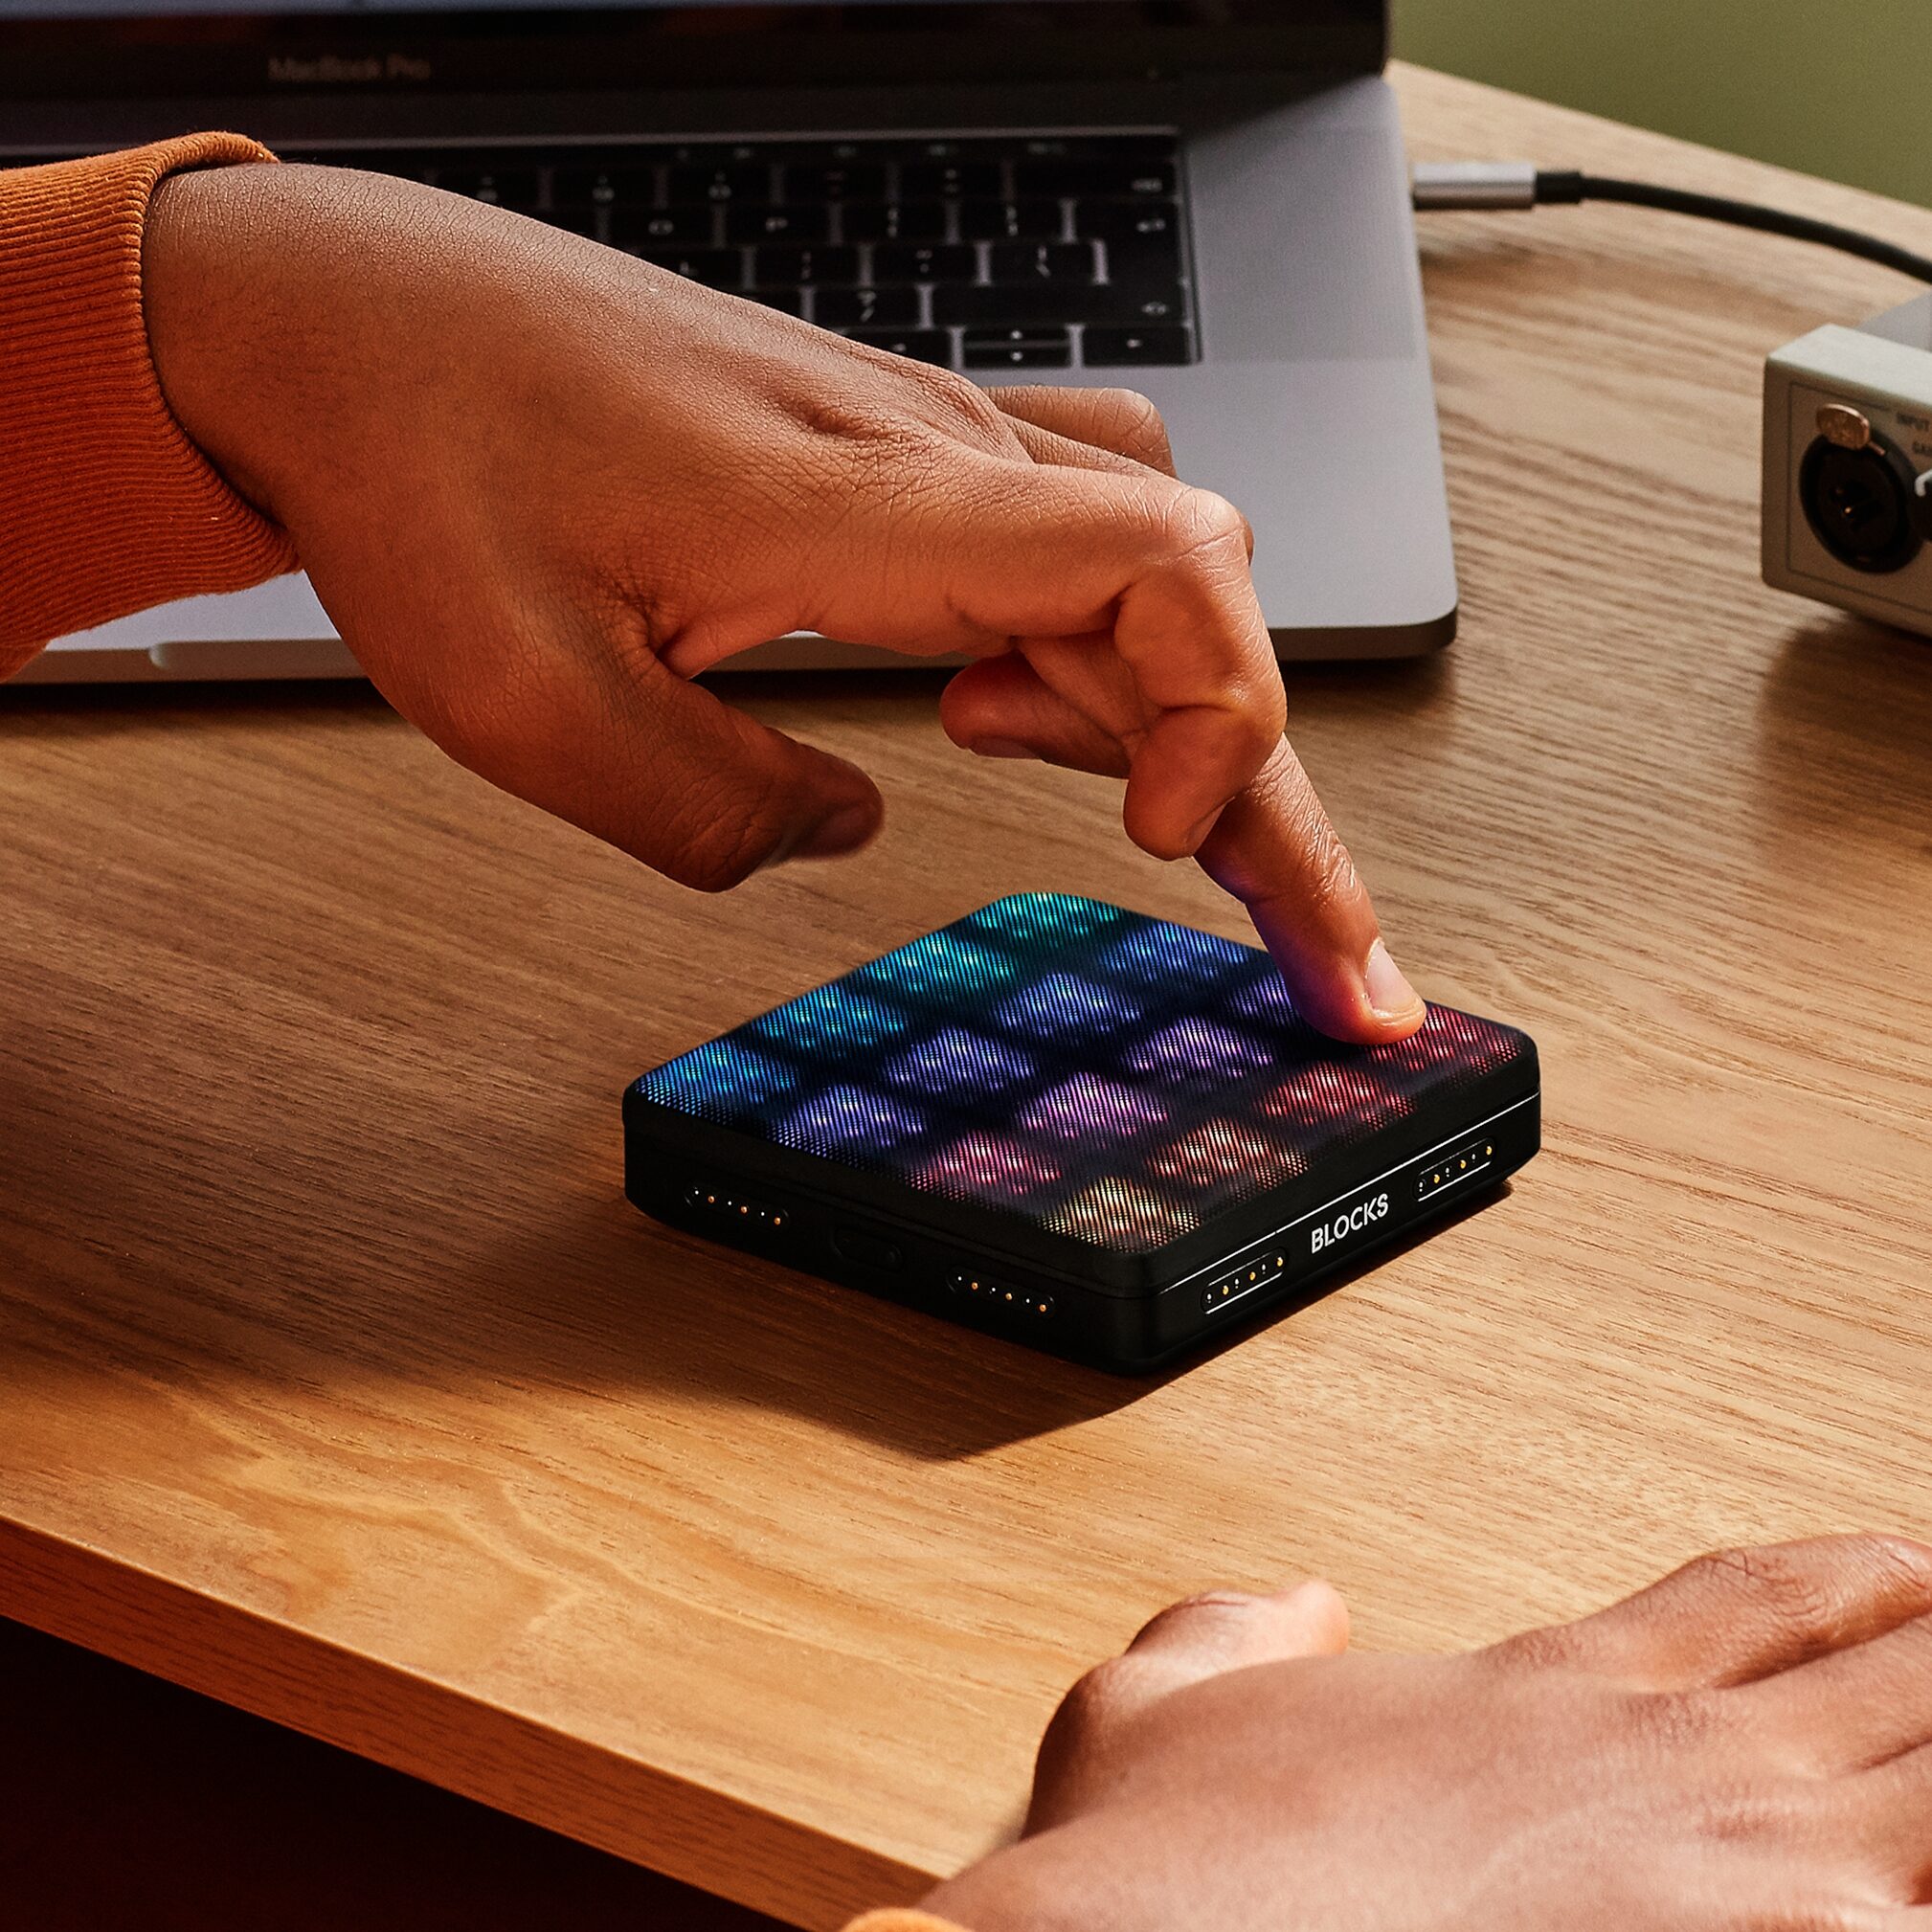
[[1199, 522], [1135, 426], [1176, 1618], [1094, 1701], [1884, 1560], [958, 404], [879, 438], [1792, 1586], [1333, 881], [1557, 1646]]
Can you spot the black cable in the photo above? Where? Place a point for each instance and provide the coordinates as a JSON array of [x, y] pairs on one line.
[[1565, 187]]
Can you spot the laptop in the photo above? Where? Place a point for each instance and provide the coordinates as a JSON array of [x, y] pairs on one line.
[[1206, 200]]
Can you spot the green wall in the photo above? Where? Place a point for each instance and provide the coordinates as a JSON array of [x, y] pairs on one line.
[[1829, 86]]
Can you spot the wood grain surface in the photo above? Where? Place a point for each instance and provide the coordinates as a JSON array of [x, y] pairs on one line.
[[338, 1379]]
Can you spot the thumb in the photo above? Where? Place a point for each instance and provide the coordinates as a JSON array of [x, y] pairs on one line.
[[620, 746], [1226, 1630], [1205, 1637]]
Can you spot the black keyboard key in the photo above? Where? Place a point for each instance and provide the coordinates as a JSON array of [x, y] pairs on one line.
[[1139, 262], [929, 261], [1132, 348], [1146, 302], [866, 307], [716, 267], [662, 227], [1128, 221], [918, 345], [787, 301], [1020, 304], [1041, 261], [1030, 221], [1142, 249], [633, 184], [729, 181], [782, 265], [1091, 175], [834, 181], [1018, 349], [752, 221], [895, 221], [949, 180]]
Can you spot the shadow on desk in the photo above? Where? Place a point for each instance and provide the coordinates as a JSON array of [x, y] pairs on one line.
[[568, 1287], [1845, 719], [380, 1147], [128, 1805]]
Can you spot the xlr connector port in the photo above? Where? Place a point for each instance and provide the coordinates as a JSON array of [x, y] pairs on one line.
[[1861, 503]]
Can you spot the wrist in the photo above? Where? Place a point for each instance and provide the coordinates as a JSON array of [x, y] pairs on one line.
[[200, 239]]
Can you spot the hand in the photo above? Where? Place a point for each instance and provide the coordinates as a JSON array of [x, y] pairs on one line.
[[538, 486], [1742, 1748]]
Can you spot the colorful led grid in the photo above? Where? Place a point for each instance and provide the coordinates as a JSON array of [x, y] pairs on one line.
[[1123, 1214], [1065, 1008], [1089, 1109], [955, 1063], [831, 1016], [989, 1167], [1197, 1049], [1264, 998], [1159, 954], [1028, 917], [847, 1118], [939, 966], [1220, 1150], [720, 1079], [1334, 1095], [1448, 1038], [1112, 1077]]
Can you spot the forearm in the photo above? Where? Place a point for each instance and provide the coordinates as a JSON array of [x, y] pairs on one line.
[[106, 506]]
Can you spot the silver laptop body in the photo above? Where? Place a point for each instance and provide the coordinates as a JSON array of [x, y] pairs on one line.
[[1303, 391]]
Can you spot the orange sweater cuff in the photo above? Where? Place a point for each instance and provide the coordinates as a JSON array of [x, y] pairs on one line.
[[901, 1921], [105, 507]]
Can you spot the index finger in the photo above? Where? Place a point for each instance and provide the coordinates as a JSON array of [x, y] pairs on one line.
[[1121, 421], [1274, 849], [1159, 568]]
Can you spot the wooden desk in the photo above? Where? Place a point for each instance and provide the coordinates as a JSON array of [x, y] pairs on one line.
[[337, 1379]]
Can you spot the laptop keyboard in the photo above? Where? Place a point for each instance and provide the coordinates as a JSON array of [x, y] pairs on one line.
[[982, 254]]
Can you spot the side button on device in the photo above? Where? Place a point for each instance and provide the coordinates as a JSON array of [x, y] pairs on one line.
[[868, 1251]]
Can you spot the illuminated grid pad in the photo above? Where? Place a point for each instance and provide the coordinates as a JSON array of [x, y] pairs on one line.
[[1108, 1076]]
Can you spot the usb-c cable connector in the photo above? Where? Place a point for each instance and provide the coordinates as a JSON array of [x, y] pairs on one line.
[[1440, 185]]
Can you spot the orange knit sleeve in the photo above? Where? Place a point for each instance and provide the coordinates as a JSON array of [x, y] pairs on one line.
[[105, 507], [901, 1921]]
